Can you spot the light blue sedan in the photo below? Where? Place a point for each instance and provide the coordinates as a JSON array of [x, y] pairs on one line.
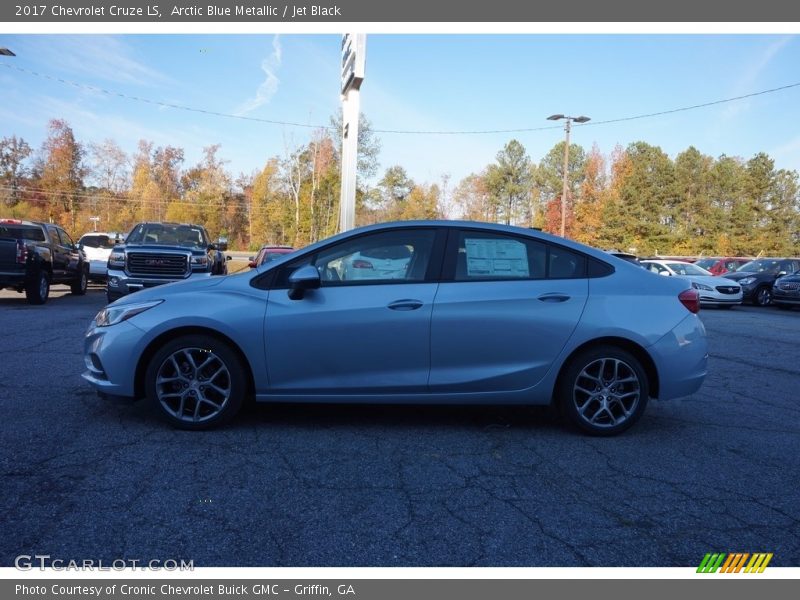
[[483, 313]]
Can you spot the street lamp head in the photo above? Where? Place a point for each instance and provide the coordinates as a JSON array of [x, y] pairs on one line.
[[581, 119], [6, 52], [555, 117]]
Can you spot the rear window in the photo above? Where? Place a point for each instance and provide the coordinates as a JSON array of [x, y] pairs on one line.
[[97, 241], [22, 232]]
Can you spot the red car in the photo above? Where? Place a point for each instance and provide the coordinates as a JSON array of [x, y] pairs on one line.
[[720, 266], [268, 253]]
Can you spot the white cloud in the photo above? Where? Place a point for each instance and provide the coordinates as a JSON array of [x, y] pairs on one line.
[[100, 57], [750, 75], [269, 86]]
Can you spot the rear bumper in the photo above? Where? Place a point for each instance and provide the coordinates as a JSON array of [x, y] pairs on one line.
[[681, 358]]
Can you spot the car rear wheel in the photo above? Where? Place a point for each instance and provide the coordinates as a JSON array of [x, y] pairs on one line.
[[38, 290], [196, 381], [603, 391], [763, 296]]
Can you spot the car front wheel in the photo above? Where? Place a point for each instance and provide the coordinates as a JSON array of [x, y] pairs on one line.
[[196, 381], [603, 391], [763, 296]]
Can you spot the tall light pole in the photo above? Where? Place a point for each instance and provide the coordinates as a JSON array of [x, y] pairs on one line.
[[353, 63], [564, 192]]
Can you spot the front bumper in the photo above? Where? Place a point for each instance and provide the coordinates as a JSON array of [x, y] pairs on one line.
[[780, 296], [121, 284], [111, 355]]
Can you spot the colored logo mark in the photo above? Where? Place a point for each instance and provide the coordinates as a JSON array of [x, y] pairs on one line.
[[734, 563]]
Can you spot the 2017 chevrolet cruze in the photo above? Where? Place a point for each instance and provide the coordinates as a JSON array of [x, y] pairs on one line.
[[482, 314]]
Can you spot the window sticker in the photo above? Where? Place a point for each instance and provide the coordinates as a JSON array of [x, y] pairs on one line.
[[496, 258]]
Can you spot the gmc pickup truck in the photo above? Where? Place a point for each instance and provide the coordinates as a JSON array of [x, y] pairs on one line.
[[158, 253], [35, 255]]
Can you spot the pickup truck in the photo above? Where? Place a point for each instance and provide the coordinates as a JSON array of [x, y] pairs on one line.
[[155, 253], [34, 255]]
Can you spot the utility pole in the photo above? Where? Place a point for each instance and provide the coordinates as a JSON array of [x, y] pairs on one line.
[[565, 189]]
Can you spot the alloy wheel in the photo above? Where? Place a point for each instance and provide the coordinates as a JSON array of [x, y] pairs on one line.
[[193, 385], [606, 393]]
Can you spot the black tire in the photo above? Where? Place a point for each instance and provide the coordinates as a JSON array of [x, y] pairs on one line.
[[38, 289], [726, 306], [589, 410], [763, 296], [189, 398], [111, 297], [78, 287]]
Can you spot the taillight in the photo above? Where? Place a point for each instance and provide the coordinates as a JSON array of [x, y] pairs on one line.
[[362, 264], [690, 299], [22, 252]]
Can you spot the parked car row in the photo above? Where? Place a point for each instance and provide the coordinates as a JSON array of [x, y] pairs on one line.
[[761, 281]]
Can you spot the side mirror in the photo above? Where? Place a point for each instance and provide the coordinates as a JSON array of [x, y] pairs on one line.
[[303, 279], [229, 257], [222, 244], [665, 273], [782, 274]]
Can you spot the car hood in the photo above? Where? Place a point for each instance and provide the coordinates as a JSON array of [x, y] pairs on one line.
[[736, 276], [789, 278], [169, 289]]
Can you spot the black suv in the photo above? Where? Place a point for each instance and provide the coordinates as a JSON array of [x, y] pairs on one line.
[[758, 276], [35, 255]]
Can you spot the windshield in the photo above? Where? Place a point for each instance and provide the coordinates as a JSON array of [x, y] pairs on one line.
[[189, 236], [763, 265], [97, 241], [706, 263], [687, 269]]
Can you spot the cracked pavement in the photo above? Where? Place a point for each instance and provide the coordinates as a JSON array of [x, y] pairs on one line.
[[332, 485]]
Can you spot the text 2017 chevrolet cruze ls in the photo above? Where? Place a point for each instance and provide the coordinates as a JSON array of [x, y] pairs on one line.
[[481, 314]]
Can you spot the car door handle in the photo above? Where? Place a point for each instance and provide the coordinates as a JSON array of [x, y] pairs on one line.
[[553, 297], [405, 304]]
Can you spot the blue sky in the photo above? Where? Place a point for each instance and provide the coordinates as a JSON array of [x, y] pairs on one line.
[[413, 82]]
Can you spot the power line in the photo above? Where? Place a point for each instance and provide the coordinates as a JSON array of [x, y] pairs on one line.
[[395, 131]]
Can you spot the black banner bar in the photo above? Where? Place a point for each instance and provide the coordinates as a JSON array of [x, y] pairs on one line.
[[460, 11]]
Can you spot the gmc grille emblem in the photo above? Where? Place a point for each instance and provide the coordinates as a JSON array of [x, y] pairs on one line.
[[154, 262]]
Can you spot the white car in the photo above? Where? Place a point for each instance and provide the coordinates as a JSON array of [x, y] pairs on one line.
[[97, 247], [384, 262], [714, 291]]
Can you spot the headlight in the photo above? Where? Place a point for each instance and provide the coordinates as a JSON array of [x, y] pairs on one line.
[[111, 315], [200, 261], [116, 259], [747, 280], [702, 286]]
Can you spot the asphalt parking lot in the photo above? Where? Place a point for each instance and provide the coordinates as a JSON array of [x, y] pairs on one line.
[[86, 478]]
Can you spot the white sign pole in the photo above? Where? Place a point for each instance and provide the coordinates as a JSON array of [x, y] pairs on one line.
[[353, 61]]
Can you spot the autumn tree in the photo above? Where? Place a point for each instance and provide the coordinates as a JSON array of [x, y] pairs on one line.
[[62, 170], [550, 181], [14, 152]]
